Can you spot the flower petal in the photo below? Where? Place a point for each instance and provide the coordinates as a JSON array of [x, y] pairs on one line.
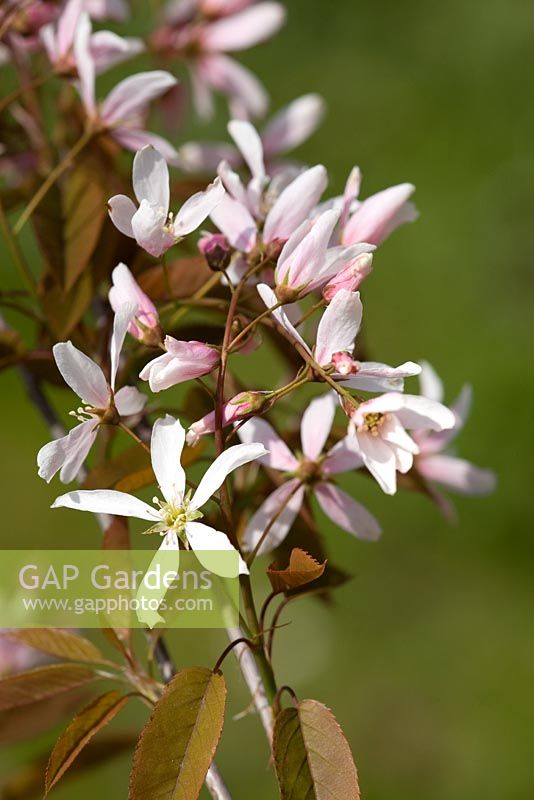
[[270, 300], [430, 382], [227, 462], [196, 208], [247, 95], [121, 210], [123, 317], [277, 455], [347, 512], [249, 143], [129, 98], [129, 401], [419, 412], [379, 458], [85, 64], [235, 221], [344, 456], [316, 424], [136, 139], [206, 542], [150, 178], [107, 501], [68, 453], [293, 124], [82, 374], [378, 216], [150, 231], [375, 377], [289, 493], [244, 29], [339, 326], [457, 474], [168, 437], [295, 203]]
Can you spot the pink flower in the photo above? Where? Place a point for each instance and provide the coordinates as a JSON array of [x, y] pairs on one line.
[[124, 110], [374, 219], [100, 402], [335, 341], [438, 466], [350, 277], [215, 249], [183, 361], [314, 470], [107, 49], [239, 407], [276, 207], [203, 32], [291, 126], [151, 224], [379, 426], [125, 289], [107, 9]]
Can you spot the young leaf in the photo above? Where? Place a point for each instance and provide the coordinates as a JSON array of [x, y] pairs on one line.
[[28, 687], [57, 643], [178, 743], [312, 758], [84, 203], [302, 569], [80, 732]]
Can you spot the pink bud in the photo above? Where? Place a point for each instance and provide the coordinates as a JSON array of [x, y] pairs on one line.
[[350, 277], [239, 407], [216, 250], [344, 363], [183, 361], [145, 326]]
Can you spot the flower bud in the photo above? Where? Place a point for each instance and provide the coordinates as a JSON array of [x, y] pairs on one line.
[[344, 364], [242, 405], [350, 277], [216, 250]]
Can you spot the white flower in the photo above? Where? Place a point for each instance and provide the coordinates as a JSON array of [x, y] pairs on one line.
[[176, 517], [100, 402]]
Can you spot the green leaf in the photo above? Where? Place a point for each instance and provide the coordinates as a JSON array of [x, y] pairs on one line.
[[178, 743], [80, 732], [57, 643], [28, 687], [312, 758]]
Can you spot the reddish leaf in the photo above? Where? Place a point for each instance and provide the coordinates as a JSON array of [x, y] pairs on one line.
[[311, 754], [302, 569], [84, 211], [179, 741], [79, 733], [186, 276], [29, 687], [57, 643]]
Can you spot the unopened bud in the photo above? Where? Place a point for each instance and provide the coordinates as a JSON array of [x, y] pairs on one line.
[[344, 364], [350, 277], [216, 250]]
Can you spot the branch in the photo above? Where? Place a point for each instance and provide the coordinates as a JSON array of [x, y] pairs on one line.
[[251, 674]]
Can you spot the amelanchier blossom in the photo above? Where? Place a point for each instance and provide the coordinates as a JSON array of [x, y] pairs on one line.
[[379, 426], [312, 471], [182, 361], [350, 277], [107, 48], [154, 228], [176, 517], [101, 404], [123, 112], [285, 131], [266, 211], [202, 31], [434, 463], [375, 218], [125, 289], [335, 341]]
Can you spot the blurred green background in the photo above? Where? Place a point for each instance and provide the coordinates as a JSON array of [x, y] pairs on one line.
[[427, 655]]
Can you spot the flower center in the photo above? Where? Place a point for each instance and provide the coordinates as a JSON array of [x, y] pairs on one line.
[[309, 471], [175, 515], [372, 423]]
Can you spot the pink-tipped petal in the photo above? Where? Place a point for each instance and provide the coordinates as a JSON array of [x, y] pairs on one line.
[[347, 512], [197, 208], [316, 425], [244, 29], [123, 317], [295, 203], [378, 216], [278, 455], [339, 326], [82, 374], [131, 97], [249, 144], [293, 124], [134, 140], [457, 474], [233, 80], [150, 231], [288, 496], [235, 221]]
